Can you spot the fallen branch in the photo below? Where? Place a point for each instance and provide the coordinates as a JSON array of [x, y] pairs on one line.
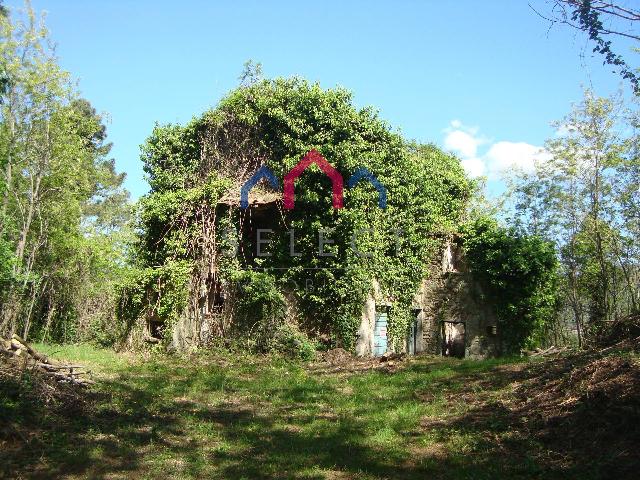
[[32, 352], [16, 348], [552, 350]]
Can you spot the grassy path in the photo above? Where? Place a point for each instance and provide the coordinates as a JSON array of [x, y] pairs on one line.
[[221, 416]]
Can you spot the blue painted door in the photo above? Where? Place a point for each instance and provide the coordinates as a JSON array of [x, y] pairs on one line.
[[380, 335]]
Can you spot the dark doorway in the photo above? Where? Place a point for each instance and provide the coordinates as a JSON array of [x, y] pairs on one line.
[[156, 327], [413, 341], [453, 339]]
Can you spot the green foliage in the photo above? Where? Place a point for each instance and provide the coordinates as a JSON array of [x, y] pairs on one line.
[[257, 300], [276, 122], [6, 262], [169, 220], [62, 205], [163, 291], [260, 317], [585, 198], [288, 340], [519, 277]]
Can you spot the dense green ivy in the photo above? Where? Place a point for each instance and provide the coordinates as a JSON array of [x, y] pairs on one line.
[[165, 253], [277, 122], [518, 274], [163, 290]]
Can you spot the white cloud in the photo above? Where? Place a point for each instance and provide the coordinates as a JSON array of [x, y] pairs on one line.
[[473, 166], [563, 130], [462, 143], [501, 157], [505, 156]]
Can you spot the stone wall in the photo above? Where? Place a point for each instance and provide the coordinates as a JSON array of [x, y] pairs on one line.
[[365, 339], [450, 294]]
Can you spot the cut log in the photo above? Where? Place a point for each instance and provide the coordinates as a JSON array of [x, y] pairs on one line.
[[38, 356], [53, 368], [540, 353], [70, 379]]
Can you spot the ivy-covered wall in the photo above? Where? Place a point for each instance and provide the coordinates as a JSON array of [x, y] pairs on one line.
[[452, 295], [186, 219]]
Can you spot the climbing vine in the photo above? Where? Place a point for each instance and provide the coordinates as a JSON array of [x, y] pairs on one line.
[[195, 170]]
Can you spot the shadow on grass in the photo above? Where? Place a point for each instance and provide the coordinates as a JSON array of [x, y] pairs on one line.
[[560, 422], [150, 423], [163, 421]]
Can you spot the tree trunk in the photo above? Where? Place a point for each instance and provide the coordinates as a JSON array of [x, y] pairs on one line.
[[9, 167]]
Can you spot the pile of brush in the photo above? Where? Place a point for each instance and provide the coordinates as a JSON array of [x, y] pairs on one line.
[[19, 352]]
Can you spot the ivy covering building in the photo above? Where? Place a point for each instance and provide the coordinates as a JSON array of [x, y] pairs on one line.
[[213, 268]]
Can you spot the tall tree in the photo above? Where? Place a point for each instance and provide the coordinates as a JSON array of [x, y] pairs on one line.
[[57, 180], [585, 199]]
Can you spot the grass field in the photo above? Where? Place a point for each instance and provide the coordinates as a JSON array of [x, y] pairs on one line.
[[229, 416]]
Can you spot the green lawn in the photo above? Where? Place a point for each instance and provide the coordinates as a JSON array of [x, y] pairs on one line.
[[224, 416]]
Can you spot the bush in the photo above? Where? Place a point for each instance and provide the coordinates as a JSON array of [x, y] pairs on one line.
[[291, 342], [519, 274]]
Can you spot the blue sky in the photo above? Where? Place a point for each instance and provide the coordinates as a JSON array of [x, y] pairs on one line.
[[484, 79]]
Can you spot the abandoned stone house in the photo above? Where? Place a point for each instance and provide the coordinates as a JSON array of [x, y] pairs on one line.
[[450, 316]]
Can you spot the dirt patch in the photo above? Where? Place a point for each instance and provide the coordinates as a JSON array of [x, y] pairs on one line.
[[337, 356], [587, 412], [438, 451], [336, 475], [338, 360], [576, 413]]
